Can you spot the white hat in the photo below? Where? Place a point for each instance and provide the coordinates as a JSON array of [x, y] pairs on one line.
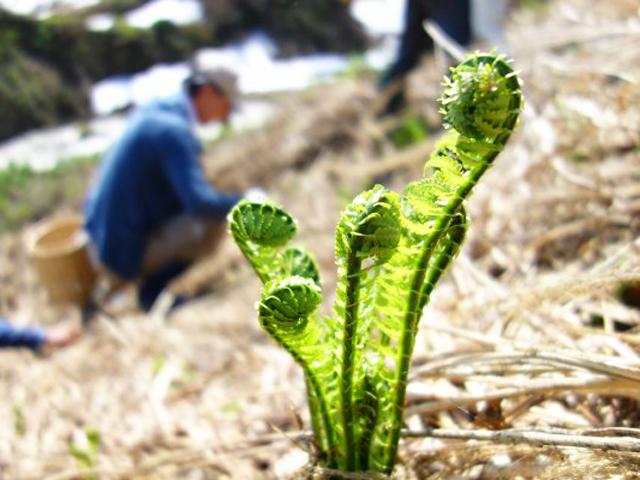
[[220, 78]]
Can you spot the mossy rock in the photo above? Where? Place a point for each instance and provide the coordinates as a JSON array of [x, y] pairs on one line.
[[47, 65], [81, 55], [297, 27], [50, 63], [33, 94]]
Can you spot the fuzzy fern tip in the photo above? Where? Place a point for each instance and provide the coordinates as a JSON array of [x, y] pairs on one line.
[[482, 97]]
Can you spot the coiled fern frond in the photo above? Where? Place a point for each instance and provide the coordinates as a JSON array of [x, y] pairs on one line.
[[391, 250]]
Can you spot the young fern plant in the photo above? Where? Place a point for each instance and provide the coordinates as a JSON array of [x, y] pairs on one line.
[[391, 250]]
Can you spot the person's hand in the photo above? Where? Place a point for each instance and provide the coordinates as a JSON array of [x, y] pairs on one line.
[[62, 334], [256, 195]]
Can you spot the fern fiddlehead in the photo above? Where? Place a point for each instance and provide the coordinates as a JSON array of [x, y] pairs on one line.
[[368, 229], [390, 252], [290, 297], [260, 230], [481, 103]]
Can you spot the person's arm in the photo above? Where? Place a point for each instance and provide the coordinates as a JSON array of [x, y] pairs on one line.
[[11, 336], [183, 170]]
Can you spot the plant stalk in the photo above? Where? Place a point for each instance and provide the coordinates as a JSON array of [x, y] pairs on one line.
[[354, 266], [414, 310]]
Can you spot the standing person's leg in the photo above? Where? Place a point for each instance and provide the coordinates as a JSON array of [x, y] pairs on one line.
[[454, 17], [414, 42]]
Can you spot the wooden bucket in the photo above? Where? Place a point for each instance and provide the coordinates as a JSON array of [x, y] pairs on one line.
[[58, 250]]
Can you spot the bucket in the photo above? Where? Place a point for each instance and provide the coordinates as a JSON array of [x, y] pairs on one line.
[[58, 251]]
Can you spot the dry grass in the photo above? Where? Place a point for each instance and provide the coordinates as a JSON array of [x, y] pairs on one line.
[[510, 340]]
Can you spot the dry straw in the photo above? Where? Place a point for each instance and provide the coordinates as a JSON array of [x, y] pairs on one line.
[[553, 232]]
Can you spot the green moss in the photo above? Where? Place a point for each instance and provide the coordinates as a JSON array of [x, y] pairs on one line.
[[46, 65], [537, 6], [410, 131], [296, 26], [33, 94], [27, 195], [52, 61]]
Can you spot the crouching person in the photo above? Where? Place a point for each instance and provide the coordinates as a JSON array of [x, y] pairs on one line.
[[151, 211]]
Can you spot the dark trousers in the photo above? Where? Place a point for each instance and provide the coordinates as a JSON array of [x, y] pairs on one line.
[[453, 16]]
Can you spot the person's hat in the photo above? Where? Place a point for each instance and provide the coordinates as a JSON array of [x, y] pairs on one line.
[[220, 78]]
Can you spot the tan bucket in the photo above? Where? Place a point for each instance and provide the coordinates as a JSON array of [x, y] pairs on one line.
[[58, 250]]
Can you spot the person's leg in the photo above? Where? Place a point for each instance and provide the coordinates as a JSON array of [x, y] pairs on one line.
[[185, 238], [151, 286], [414, 42], [172, 250], [108, 282], [454, 17]]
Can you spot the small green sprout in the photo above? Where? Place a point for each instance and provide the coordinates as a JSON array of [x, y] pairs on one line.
[[391, 250], [85, 450], [19, 422]]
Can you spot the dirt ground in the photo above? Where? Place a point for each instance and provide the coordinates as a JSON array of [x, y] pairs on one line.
[[525, 334]]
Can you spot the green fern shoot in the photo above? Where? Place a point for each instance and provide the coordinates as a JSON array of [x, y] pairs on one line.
[[391, 250]]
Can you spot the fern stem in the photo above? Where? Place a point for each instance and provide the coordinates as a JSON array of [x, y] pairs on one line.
[[317, 404], [368, 409], [415, 304], [354, 267], [315, 393], [406, 347], [452, 239], [254, 262], [356, 364]]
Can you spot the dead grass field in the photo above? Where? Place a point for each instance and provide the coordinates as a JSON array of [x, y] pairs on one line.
[[525, 334]]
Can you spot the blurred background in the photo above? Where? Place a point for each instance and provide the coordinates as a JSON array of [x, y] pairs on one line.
[[81, 62], [551, 262]]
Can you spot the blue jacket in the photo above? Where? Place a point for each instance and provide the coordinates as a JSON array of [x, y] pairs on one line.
[[11, 336], [151, 175]]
